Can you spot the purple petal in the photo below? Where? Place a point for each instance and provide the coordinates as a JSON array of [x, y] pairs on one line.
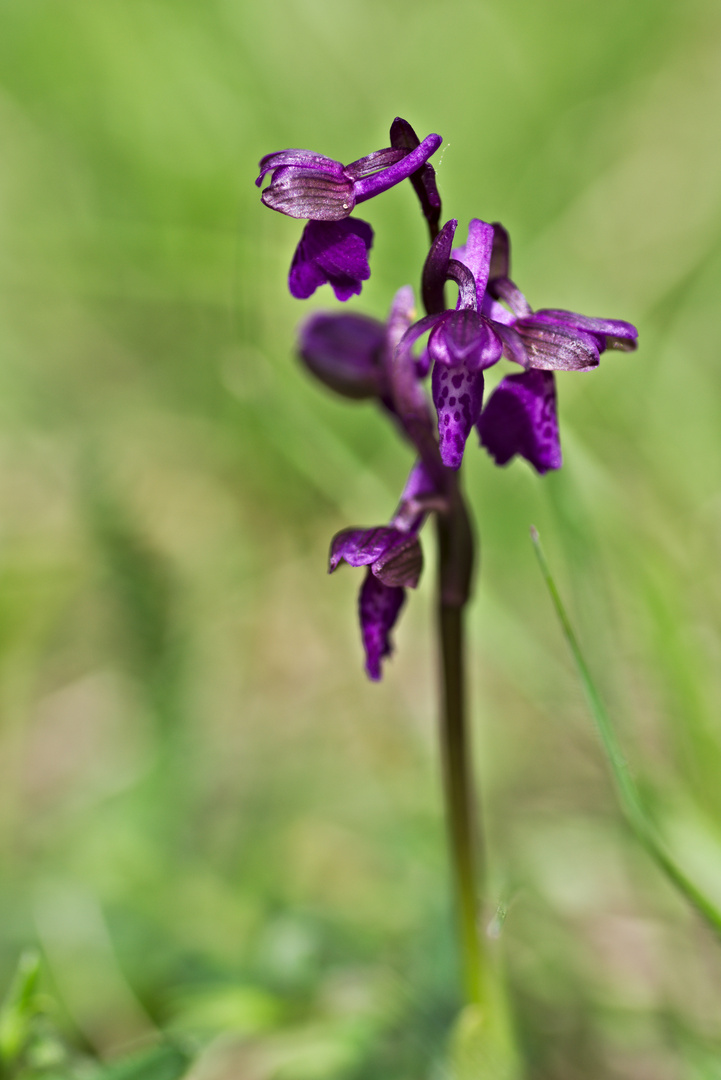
[[435, 268], [331, 251], [370, 186], [520, 418], [501, 254], [304, 159], [506, 290], [610, 333], [458, 396], [400, 319], [310, 193], [513, 347], [362, 547], [424, 179], [476, 254], [345, 352], [465, 338], [464, 279], [553, 347], [496, 312], [379, 159], [379, 607]]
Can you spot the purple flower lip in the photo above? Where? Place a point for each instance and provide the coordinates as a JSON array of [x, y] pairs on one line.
[[308, 185], [333, 253]]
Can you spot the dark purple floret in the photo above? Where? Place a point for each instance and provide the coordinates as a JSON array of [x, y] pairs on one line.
[[352, 354], [394, 559], [345, 351], [520, 418], [334, 248], [332, 252]]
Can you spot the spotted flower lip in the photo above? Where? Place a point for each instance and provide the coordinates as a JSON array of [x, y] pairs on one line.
[[305, 184], [521, 418]]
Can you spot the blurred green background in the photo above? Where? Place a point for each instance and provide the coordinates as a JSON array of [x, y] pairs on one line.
[[210, 822]]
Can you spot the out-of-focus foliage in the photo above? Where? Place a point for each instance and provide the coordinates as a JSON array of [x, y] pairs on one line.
[[210, 823]]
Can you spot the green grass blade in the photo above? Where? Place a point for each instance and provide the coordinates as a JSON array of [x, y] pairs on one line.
[[628, 793]]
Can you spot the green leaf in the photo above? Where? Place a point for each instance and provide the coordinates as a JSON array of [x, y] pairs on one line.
[[629, 796]]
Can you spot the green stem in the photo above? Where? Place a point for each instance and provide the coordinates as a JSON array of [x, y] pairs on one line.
[[455, 543], [628, 794]]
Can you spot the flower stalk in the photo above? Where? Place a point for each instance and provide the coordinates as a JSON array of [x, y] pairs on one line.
[[455, 566]]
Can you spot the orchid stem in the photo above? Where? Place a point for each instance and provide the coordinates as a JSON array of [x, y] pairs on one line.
[[455, 543]]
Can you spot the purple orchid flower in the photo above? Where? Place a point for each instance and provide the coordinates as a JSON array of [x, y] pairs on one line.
[[463, 342], [521, 416], [334, 247], [394, 560]]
